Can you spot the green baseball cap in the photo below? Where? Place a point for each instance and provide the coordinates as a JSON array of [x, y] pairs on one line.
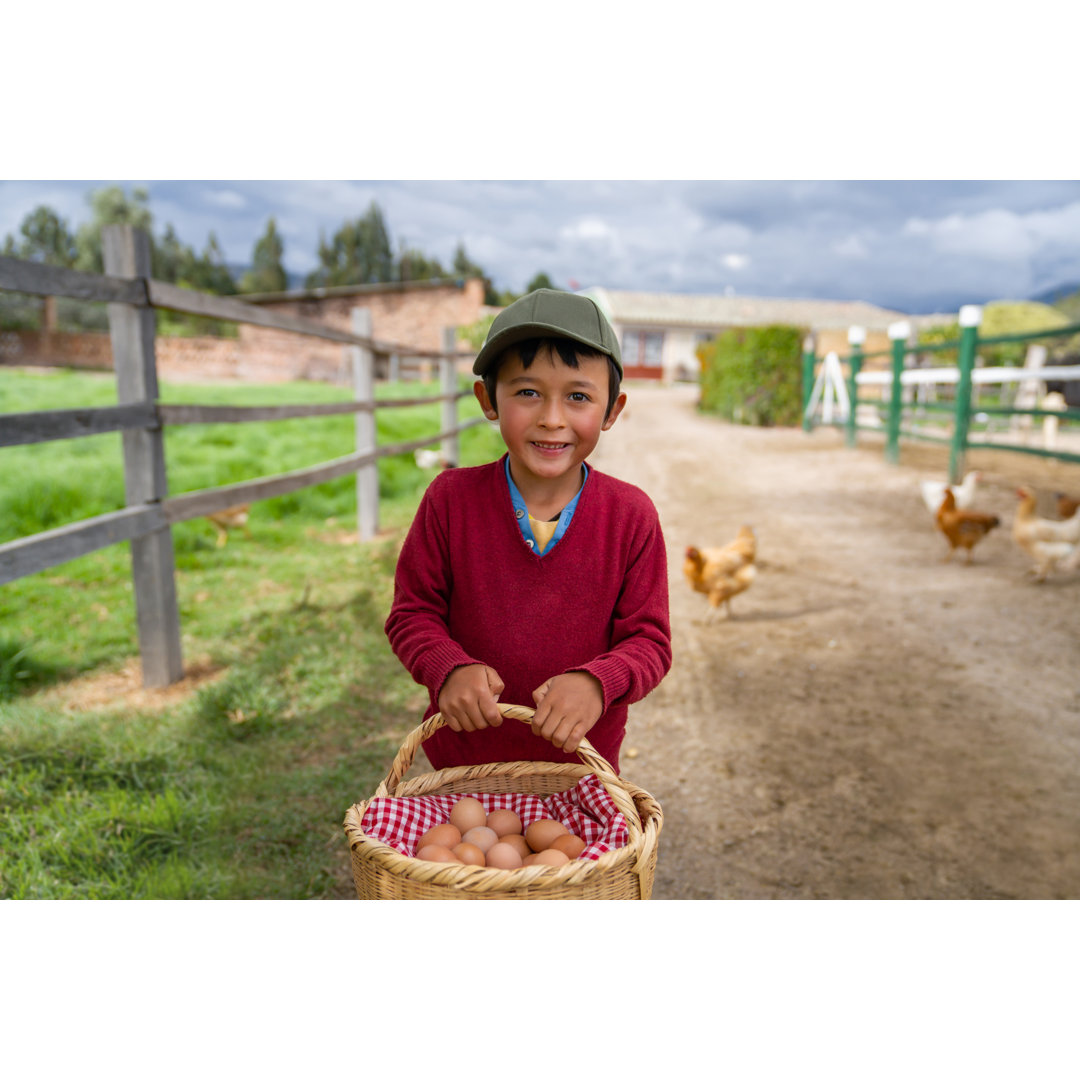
[[549, 313]]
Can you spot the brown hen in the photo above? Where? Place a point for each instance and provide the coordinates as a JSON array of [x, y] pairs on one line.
[[963, 528]]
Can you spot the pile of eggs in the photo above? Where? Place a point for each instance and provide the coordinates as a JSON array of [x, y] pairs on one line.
[[476, 838]]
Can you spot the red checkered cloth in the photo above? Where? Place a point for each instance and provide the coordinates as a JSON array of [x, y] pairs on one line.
[[586, 809]]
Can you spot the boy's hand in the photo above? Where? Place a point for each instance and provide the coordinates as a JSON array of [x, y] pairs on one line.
[[469, 698], [567, 706]]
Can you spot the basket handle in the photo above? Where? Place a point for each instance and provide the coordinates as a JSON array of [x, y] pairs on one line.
[[585, 751]]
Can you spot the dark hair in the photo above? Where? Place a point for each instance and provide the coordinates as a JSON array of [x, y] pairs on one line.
[[569, 352]]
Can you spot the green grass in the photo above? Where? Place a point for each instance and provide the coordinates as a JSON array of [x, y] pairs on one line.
[[238, 788]]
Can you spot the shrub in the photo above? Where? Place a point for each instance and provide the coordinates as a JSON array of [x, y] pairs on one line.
[[753, 375]]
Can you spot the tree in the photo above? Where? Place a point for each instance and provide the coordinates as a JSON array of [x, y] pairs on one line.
[[358, 254], [171, 260], [110, 206], [46, 238], [209, 273], [466, 268], [414, 265], [267, 274], [540, 281]]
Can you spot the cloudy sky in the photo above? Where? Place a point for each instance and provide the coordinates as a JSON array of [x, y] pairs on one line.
[[914, 246]]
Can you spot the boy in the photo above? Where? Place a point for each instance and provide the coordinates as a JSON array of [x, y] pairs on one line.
[[535, 578]]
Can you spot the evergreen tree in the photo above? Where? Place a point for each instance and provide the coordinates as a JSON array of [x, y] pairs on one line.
[[358, 254], [466, 268], [171, 260], [267, 273], [540, 281], [46, 238], [110, 206], [210, 273], [414, 265]]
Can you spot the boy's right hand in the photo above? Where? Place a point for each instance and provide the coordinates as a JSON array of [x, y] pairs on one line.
[[469, 698]]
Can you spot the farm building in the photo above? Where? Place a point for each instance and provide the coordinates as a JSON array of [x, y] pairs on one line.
[[411, 314], [659, 332]]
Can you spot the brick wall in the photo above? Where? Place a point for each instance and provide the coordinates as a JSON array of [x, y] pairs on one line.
[[407, 317], [33, 347]]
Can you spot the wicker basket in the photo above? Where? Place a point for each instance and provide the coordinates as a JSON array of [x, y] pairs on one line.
[[381, 873]]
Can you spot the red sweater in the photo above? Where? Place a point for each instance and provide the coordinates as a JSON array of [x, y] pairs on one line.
[[469, 591]]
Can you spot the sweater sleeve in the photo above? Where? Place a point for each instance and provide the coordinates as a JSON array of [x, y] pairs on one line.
[[640, 653], [418, 624]]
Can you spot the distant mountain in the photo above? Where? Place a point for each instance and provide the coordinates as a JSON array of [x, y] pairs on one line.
[[1058, 292]]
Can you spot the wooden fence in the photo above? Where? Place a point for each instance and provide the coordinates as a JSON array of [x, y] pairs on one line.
[[132, 295], [905, 403]]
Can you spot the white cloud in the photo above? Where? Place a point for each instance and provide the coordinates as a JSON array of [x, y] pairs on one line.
[[851, 247], [227, 199], [589, 229], [734, 261], [999, 234]]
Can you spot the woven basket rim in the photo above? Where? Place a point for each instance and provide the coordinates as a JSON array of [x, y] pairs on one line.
[[633, 857], [485, 878]]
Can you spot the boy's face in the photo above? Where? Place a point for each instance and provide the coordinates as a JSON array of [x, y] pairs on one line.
[[550, 415]]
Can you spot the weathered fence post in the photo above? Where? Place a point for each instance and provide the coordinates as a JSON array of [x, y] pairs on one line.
[[807, 381], [451, 454], [856, 337], [970, 317], [127, 255], [367, 476], [899, 332]]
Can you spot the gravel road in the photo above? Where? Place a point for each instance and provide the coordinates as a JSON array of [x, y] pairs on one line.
[[871, 722]]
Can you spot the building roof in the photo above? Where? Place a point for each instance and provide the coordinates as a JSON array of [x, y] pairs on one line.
[[709, 312]]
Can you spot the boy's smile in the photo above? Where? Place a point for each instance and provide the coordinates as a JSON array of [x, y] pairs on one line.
[[550, 417]]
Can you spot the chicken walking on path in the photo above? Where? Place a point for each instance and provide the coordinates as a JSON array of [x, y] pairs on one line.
[[875, 723]]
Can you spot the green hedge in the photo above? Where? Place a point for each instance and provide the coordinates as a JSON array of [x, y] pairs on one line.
[[753, 375]]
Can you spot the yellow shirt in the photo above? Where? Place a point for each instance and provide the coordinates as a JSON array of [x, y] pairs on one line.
[[543, 531]]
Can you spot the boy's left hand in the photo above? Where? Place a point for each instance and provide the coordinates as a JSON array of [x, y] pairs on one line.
[[567, 706]]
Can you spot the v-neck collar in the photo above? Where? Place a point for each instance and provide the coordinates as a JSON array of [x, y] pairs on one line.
[[521, 512]]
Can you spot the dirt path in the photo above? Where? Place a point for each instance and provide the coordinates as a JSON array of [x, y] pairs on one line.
[[872, 722]]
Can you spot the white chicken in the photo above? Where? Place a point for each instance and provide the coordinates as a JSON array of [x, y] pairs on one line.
[[933, 492], [428, 459], [1054, 545]]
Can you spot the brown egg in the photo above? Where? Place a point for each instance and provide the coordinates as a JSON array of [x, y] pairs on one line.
[[470, 854], [467, 814], [482, 837], [542, 831], [529, 859], [504, 822], [517, 842], [445, 835], [570, 845], [551, 857], [436, 853], [503, 857]]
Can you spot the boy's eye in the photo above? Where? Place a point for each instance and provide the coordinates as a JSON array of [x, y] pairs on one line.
[[526, 392], [579, 395]]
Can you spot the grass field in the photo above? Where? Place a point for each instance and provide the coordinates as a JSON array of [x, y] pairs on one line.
[[236, 787]]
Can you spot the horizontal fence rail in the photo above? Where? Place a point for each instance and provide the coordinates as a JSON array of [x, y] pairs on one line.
[[833, 387], [17, 275], [141, 419]]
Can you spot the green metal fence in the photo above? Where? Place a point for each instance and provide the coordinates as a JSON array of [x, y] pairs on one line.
[[891, 396]]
